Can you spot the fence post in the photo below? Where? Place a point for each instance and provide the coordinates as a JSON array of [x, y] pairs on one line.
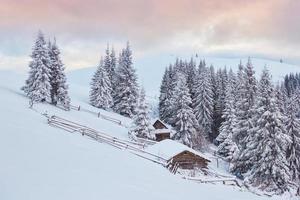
[[98, 114], [79, 108]]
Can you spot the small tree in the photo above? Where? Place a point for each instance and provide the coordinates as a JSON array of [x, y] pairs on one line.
[[141, 127]]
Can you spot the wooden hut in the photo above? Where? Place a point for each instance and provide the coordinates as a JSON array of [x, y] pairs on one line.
[[161, 131], [179, 156], [187, 160]]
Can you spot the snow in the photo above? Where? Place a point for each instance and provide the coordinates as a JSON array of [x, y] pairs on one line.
[[43, 162], [170, 148], [157, 131]]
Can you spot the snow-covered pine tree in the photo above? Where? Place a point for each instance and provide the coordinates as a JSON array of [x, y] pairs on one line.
[[203, 103], [166, 99], [227, 147], [100, 93], [293, 130], [191, 76], [141, 122], [112, 71], [107, 63], [58, 80], [126, 92], [164, 94], [219, 100], [269, 142], [185, 122], [281, 98], [37, 86], [245, 97]]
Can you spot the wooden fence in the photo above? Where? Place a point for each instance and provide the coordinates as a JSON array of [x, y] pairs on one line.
[[98, 114], [136, 148]]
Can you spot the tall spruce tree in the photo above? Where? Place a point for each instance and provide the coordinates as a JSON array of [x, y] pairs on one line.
[[37, 86], [141, 127], [269, 142], [185, 122], [227, 147], [100, 93], [293, 130], [126, 92], [203, 104], [245, 98], [58, 80]]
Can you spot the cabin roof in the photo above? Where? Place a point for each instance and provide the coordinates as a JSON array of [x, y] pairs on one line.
[[160, 121], [170, 148]]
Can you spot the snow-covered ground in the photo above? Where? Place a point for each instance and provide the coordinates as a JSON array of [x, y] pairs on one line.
[[42, 162]]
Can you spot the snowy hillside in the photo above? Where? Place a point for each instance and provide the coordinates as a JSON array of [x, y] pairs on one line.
[[43, 162]]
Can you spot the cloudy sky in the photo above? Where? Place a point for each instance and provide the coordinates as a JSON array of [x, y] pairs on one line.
[[157, 29]]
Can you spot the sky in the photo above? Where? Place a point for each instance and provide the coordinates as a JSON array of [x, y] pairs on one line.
[[157, 29]]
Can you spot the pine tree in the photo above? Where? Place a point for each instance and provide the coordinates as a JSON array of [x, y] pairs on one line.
[[203, 104], [164, 94], [185, 121], [58, 81], [126, 92], [228, 147], [245, 97], [269, 142], [100, 94], [37, 86], [141, 120], [293, 130], [219, 100], [191, 76], [112, 71]]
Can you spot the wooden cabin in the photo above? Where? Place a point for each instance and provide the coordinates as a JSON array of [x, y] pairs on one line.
[[187, 160], [179, 156], [161, 131]]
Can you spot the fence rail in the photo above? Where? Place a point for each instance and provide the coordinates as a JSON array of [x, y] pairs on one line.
[[98, 114]]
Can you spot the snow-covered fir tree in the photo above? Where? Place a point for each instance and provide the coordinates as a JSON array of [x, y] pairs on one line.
[[227, 147], [126, 91], [191, 76], [141, 122], [166, 100], [203, 103], [100, 93], [37, 86], [164, 94], [185, 122], [58, 80], [293, 130], [268, 145], [245, 98], [219, 88]]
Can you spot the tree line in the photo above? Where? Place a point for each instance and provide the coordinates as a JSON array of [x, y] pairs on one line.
[[254, 123]]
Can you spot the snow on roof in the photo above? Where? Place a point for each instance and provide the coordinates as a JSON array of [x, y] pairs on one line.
[[157, 119], [156, 131], [170, 148]]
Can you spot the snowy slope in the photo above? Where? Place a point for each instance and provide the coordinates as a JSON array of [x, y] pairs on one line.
[[42, 162]]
